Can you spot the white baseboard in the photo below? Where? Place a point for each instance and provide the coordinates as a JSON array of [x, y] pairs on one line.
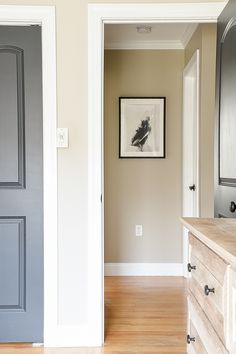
[[143, 269]]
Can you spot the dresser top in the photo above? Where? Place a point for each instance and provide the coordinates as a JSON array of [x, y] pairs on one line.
[[217, 234]]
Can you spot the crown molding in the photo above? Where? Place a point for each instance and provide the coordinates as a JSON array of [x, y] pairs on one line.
[[132, 45], [162, 12], [188, 34]]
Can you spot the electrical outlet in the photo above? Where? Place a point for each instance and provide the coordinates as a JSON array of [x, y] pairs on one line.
[[138, 230]]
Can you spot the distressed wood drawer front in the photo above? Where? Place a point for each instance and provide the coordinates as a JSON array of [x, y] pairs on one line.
[[208, 342], [197, 345], [213, 305], [232, 313], [215, 264], [203, 277]]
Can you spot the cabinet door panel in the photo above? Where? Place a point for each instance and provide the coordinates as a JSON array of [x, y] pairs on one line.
[[225, 158]]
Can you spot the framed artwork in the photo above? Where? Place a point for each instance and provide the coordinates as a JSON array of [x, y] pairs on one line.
[[142, 127]]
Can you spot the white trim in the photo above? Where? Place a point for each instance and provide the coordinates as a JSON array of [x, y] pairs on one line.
[[6, 23], [154, 44], [191, 79], [37, 345], [158, 12], [45, 16], [98, 14], [188, 34], [143, 269], [95, 182]]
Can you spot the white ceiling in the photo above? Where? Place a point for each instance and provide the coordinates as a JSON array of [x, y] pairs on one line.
[[162, 36]]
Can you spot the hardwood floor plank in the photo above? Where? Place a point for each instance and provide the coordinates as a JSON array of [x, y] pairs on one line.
[[143, 315]]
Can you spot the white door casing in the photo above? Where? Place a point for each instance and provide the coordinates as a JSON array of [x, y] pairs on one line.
[[98, 15], [190, 146]]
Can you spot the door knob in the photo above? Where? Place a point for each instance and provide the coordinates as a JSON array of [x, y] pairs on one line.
[[192, 187], [232, 207]]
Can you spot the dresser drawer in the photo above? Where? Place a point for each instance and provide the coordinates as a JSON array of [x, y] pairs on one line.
[[196, 345], [212, 303], [215, 264], [212, 285], [201, 330], [232, 312]]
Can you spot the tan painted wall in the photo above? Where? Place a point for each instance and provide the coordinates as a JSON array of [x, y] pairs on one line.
[[143, 191], [72, 85], [204, 39], [134, 198]]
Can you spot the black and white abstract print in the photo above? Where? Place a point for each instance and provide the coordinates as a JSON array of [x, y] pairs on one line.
[[141, 135], [142, 125]]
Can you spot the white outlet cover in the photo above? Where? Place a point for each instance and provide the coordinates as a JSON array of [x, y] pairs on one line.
[[139, 230]]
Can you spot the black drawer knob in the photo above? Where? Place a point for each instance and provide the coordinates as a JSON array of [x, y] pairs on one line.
[[232, 207], [208, 290], [191, 267], [192, 187], [190, 339]]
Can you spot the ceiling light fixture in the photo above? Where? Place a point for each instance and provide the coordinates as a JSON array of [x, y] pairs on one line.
[[144, 29]]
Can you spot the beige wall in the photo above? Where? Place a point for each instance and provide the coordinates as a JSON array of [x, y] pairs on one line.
[[204, 39], [143, 191], [72, 85], [153, 198]]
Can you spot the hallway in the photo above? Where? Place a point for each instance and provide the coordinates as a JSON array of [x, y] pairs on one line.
[[144, 315]]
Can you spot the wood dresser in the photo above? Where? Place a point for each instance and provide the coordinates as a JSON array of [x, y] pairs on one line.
[[211, 285]]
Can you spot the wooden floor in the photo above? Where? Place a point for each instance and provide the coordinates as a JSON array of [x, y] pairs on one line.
[[144, 315]]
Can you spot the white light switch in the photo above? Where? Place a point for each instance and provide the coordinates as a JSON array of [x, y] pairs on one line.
[[62, 138], [139, 230]]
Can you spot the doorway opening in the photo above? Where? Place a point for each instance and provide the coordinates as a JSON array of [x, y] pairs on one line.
[[143, 197], [100, 14]]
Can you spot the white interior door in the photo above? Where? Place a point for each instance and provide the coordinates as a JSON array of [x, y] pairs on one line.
[[190, 187]]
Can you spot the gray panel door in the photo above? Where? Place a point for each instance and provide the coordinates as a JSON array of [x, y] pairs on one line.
[[225, 181], [21, 185]]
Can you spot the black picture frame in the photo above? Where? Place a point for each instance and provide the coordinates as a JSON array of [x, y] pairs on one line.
[[142, 125]]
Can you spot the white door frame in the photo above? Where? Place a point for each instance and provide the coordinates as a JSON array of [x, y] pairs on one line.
[[45, 16], [190, 146], [98, 14]]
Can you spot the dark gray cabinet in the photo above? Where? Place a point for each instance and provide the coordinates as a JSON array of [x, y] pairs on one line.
[[225, 146]]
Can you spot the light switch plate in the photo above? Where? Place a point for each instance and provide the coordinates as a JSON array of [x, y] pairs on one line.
[[62, 138]]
